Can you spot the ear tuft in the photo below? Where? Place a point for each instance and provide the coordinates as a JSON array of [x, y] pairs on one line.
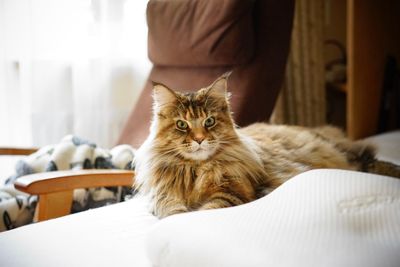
[[162, 95], [220, 85], [226, 74]]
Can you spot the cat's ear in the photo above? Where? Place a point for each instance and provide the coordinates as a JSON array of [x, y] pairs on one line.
[[220, 86], [162, 95]]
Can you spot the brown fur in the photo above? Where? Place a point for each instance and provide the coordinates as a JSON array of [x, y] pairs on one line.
[[231, 166]]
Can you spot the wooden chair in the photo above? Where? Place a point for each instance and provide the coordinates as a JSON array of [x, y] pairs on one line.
[[55, 189]]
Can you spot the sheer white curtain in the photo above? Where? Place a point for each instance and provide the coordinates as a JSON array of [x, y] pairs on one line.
[[69, 67]]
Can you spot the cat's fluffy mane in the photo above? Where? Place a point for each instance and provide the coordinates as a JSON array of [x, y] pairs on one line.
[[241, 160], [163, 176], [243, 151]]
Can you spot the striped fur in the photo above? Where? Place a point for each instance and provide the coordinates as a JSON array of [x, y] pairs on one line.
[[207, 166]]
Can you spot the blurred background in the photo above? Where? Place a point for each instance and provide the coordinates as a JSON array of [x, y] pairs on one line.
[[69, 66], [78, 66]]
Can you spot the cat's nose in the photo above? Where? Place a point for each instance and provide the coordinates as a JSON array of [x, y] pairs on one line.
[[199, 138]]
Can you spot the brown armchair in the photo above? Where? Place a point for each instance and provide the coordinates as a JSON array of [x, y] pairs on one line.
[[190, 44]]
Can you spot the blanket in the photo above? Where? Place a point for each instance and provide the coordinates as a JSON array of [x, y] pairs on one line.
[[72, 153]]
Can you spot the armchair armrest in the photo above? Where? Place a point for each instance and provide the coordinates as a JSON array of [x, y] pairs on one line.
[[17, 151], [57, 181], [55, 189]]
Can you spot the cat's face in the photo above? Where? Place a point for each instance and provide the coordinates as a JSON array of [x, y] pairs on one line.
[[193, 125]]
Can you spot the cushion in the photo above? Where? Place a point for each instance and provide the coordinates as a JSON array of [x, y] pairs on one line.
[[200, 32], [319, 218], [7, 166]]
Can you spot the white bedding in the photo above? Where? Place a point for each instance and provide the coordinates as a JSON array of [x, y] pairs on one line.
[[320, 218], [108, 236]]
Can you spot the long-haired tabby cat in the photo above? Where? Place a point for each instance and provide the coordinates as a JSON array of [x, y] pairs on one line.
[[195, 158]]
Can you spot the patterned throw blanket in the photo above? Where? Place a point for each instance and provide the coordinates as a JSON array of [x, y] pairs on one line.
[[72, 153]]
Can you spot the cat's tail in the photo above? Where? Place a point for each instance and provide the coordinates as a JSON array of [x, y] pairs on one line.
[[364, 155], [369, 162], [383, 168]]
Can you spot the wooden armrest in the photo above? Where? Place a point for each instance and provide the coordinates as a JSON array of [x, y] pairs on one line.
[[55, 189], [17, 151], [57, 181]]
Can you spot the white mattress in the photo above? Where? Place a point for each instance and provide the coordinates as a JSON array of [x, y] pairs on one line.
[[320, 218], [108, 236]]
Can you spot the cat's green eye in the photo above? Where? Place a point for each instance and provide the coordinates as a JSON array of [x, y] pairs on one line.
[[182, 125], [209, 122]]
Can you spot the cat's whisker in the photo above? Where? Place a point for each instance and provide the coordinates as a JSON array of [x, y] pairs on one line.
[[175, 151]]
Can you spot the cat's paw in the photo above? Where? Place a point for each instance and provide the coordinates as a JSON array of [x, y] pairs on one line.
[[163, 212], [215, 205]]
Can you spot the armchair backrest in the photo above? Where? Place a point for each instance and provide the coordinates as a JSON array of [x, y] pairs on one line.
[[192, 42]]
